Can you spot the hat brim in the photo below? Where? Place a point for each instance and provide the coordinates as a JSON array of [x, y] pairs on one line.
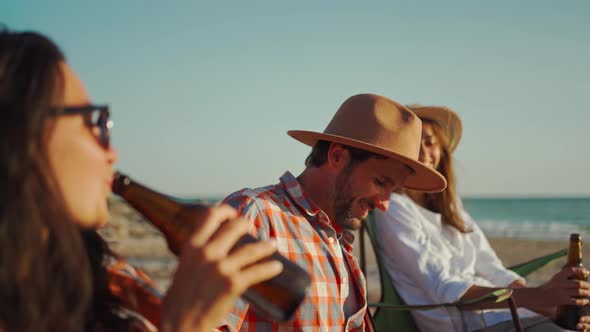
[[445, 117], [423, 178]]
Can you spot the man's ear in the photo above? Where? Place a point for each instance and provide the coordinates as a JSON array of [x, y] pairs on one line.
[[338, 156]]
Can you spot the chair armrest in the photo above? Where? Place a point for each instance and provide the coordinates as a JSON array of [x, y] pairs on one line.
[[526, 268], [496, 296]]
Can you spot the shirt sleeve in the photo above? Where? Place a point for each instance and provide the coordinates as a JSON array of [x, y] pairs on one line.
[[488, 265], [245, 203], [409, 256]]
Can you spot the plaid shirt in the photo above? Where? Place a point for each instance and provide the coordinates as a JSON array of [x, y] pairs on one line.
[[304, 235], [139, 298]]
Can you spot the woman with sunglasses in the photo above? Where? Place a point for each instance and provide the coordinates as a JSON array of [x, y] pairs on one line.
[[435, 253], [55, 177]]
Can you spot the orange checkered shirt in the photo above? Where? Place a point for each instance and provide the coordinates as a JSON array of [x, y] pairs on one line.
[[305, 236], [140, 299]]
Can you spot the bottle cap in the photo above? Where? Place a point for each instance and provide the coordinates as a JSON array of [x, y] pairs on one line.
[[120, 182], [575, 237]]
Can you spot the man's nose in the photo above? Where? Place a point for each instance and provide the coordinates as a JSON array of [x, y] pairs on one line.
[[381, 204]]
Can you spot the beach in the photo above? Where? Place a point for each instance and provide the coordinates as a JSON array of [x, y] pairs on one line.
[[137, 241]]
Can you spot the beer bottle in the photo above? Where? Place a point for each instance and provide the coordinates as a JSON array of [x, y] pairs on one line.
[[569, 315], [276, 298]]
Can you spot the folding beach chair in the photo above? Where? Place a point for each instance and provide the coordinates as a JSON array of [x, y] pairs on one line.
[[393, 314]]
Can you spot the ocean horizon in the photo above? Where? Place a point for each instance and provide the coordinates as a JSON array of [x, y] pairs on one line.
[[533, 217], [541, 218], [549, 219], [537, 218]]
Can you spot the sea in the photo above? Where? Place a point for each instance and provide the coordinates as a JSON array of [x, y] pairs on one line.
[[522, 217], [532, 218]]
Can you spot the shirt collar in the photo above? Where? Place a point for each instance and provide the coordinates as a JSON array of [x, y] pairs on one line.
[[348, 237], [297, 195], [295, 191]]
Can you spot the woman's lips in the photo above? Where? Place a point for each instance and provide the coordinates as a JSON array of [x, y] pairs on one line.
[[109, 182]]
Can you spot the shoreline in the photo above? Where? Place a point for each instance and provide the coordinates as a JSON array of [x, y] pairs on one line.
[[141, 244], [152, 256]]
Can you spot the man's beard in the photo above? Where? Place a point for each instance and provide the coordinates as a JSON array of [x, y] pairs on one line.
[[343, 202]]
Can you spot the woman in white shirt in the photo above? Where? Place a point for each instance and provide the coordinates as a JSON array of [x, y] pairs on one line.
[[434, 252]]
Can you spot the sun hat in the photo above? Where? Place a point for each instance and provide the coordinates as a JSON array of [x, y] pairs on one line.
[[380, 125], [445, 117]]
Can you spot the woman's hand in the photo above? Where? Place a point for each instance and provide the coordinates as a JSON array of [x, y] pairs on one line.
[[583, 323], [209, 277], [560, 289]]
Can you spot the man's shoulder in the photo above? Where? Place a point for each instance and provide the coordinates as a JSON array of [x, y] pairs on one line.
[[264, 193], [262, 196]]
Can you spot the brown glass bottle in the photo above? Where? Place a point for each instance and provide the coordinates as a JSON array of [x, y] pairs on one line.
[[275, 299], [569, 315]]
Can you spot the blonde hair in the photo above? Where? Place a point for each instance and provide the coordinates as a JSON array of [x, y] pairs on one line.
[[445, 202]]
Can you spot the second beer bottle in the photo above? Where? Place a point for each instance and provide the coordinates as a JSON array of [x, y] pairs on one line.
[[569, 315], [276, 299]]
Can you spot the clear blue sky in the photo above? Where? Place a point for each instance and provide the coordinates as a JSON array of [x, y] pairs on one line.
[[203, 93]]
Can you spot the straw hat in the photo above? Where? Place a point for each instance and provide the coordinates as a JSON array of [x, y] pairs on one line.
[[383, 126], [445, 117]]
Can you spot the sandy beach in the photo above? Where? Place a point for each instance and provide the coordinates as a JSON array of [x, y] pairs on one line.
[[137, 241]]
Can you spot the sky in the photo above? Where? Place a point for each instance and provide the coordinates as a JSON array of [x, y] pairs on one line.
[[203, 93]]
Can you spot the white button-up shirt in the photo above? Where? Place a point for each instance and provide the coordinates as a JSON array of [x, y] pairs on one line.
[[433, 263]]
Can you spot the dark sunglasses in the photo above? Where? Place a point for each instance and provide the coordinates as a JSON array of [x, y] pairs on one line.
[[94, 116]]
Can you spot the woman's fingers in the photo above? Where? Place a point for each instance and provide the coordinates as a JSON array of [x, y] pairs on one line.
[[260, 272], [579, 302], [579, 273], [246, 265], [226, 237], [208, 222], [210, 274], [583, 323], [563, 288], [251, 253], [577, 291], [237, 268]]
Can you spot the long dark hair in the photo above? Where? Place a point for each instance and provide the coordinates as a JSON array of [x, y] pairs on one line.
[[50, 270]]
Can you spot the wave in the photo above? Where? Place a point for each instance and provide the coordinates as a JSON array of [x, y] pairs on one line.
[[545, 230]]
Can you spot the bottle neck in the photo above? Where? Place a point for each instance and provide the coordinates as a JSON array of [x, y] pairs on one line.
[[159, 209], [574, 254], [155, 206]]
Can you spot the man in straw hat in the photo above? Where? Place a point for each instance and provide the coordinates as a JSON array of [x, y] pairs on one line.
[[435, 252], [368, 150]]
